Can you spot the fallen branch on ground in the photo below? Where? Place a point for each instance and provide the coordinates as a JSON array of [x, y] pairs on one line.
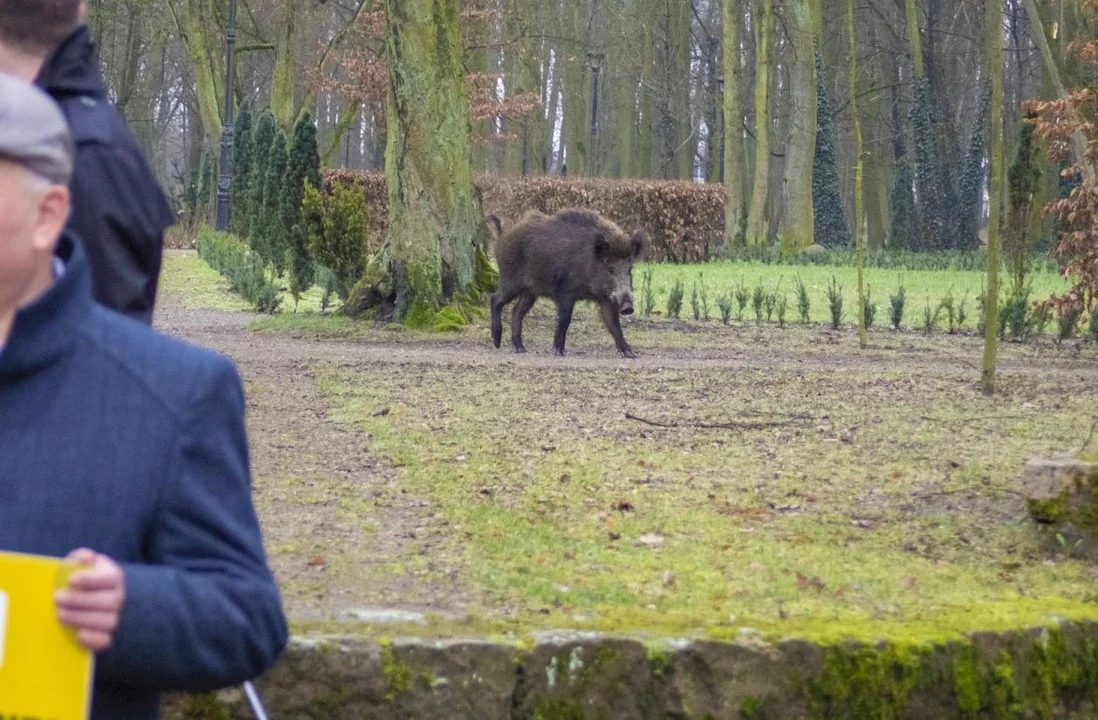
[[977, 418], [720, 426]]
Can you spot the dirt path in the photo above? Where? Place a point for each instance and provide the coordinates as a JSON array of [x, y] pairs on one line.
[[227, 333], [338, 529]]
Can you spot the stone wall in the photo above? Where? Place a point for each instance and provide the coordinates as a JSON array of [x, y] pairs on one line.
[[1048, 672]]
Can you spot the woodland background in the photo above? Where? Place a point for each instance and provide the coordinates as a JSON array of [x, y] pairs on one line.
[[633, 89]]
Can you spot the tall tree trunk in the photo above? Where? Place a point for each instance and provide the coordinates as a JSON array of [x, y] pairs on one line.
[[859, 207], [436, 229], [734, 211], [195, 20], [756, 215], [1079, 143], [995, 71], [914, 37], [282, 84], [797, 220]]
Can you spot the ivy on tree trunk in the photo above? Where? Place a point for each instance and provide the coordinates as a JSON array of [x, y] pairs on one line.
[[829, 218]]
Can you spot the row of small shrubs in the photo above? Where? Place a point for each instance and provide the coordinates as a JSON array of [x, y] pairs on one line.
[[243, 268], [1019, 319]]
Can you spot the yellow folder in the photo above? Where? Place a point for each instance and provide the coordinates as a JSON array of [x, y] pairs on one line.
[[44, 672]]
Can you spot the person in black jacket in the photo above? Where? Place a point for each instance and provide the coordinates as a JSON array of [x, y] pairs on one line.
[[118, 209]]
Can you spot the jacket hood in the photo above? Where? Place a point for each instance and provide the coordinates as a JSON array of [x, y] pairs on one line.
[[71, 69]]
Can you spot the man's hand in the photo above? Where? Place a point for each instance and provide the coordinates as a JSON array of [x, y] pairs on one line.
[[92, 602]]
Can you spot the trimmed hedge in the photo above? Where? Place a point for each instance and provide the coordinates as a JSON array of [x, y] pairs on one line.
[[244, 269], [684, 220]]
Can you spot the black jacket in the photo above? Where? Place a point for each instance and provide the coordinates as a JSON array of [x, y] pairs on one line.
[[118, 209]]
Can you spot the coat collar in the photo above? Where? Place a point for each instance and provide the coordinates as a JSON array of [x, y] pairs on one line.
[[48, 328], [71, 68]]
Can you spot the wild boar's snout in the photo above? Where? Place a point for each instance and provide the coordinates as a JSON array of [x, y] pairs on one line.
[[622, 296]]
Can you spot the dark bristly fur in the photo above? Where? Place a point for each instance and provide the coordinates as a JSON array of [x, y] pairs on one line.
[[570, 256]]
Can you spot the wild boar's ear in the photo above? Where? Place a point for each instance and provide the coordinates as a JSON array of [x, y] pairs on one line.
[[639, 240], [602, 246], [496, 224]]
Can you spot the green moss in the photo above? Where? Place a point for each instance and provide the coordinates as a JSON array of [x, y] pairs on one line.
[[750, 708], [1047, 511], [450, 318], [1005, 701], [557, 708], [866, 683], [486, 278], [203, 707], [659, 659], [398, 676], [420, 316], [966, 682]]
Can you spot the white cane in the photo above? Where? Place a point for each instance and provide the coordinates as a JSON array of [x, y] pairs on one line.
[[254, 701]]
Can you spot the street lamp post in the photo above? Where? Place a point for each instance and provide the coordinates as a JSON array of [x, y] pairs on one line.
[[595, 59], [225, 180], [720, 119]]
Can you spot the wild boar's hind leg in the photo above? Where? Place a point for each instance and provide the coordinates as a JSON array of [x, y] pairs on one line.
[[518, 312], [504, 295], [613, 323], [564, 319]]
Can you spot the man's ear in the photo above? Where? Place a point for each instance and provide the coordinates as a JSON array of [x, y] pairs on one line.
[[53, 215]]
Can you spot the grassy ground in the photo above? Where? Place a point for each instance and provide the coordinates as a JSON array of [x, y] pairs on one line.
[[811, 490], [196, 285], [921, 287], [188, 276], [834, 500]]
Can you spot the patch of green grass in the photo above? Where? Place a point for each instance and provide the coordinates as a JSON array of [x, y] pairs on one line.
[[873, 502], [935, 284], [197, 285]]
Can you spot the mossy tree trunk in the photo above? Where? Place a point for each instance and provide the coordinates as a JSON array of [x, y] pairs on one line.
[[733, 122], [436, 227], [200, 32], [995, 198], [914, 38], [757, 213], [285, 66], [796, 226], [859, 198]]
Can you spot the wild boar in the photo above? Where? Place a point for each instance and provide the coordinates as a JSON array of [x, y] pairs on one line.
[[569, 256]]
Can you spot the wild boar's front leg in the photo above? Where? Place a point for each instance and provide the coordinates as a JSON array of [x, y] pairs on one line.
[[504, 295], [518, 312], [565, 305], [613, 323]]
